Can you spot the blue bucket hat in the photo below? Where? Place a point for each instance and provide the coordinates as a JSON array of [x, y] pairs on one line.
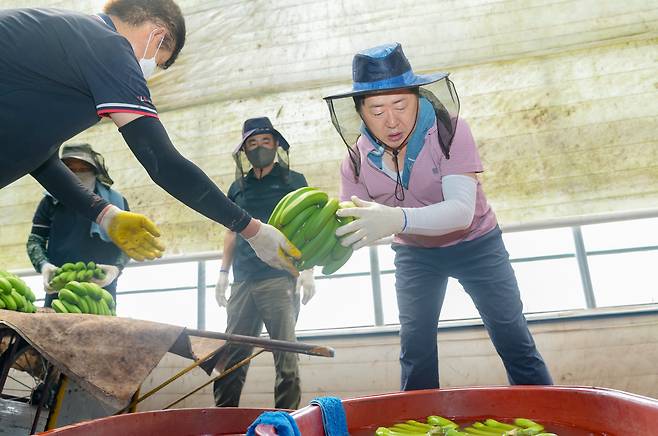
[[383, 68]]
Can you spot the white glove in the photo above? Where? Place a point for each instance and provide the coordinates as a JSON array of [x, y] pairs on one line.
[[47, 273], [220, 289], [272, 247], [306, 282], [111, 273], [373, 222]]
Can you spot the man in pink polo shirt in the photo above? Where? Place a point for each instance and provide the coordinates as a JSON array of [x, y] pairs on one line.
[[411, 170]]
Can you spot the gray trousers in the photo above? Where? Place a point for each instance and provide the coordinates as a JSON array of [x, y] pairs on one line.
[[272, 302]]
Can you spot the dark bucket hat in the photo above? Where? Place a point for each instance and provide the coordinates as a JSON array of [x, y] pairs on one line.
[[383, 68], [255, 126]]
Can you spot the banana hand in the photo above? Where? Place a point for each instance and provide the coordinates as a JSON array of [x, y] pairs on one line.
[[133, 233]]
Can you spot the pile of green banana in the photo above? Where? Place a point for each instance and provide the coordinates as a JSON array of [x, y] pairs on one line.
[[84, 297], [78, 271], [437, 425], [308, 218], [15, 294]]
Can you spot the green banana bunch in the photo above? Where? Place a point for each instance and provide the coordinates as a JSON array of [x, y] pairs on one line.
[[15, 294], [78, 271], [437, 425], [307, 217], [84, 297]]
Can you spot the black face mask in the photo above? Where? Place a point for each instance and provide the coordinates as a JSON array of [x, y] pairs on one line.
[[260, 157]]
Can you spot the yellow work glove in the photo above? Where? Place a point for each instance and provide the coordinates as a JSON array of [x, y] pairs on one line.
[[133, 233]]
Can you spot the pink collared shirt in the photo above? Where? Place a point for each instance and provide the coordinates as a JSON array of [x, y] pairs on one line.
[[424, 184]]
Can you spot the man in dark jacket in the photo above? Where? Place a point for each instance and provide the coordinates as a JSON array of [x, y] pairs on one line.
[[260, 294], [61, 71], [60, 235]]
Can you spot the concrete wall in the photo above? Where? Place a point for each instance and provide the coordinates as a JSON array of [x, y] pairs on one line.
[[561, 97], [618, 352]]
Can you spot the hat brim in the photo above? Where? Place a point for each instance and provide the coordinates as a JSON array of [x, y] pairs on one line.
[[80, 157], [282, 141], [417, 80]]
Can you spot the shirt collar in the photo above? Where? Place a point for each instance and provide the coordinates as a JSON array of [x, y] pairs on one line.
[[107, 20], [276, 170]]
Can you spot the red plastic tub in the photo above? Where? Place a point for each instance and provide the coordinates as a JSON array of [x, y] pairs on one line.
[[569, 411], [178, 422]]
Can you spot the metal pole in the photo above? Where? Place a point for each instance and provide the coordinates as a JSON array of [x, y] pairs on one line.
[[267, 344], [44, 396], [375, 279], [138, 399], [7, 357], [51, 423], [201, 295], [583, 267], [214, 379]]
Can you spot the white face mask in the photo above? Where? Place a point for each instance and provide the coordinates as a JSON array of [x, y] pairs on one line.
[[148, 65], [88, 179]]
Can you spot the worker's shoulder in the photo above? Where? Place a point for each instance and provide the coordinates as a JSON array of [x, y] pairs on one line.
[[84, 29], [38, 17], [50, 26], [47, 201], [233, 189], [297, 178]]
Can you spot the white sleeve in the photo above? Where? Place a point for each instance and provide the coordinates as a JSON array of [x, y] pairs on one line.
[[454, 213]]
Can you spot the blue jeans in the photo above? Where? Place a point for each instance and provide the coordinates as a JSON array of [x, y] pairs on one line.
[[482, 267]]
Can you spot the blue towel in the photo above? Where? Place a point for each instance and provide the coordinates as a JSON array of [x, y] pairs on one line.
[[333, 415], [283, 423], [112, 197], [426, 120]]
